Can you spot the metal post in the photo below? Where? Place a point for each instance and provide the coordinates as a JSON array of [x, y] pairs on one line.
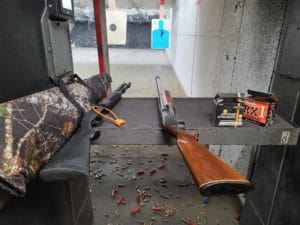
[[101, 35]]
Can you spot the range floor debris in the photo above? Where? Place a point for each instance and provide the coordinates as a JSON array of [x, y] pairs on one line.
[[166, 197]]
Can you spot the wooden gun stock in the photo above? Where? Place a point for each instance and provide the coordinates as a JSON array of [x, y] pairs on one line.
[[211, 174]]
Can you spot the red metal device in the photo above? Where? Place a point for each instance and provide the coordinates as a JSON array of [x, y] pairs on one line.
[[101, 36]]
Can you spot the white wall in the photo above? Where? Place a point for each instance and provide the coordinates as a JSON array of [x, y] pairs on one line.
[[224, 45], [195, 44]]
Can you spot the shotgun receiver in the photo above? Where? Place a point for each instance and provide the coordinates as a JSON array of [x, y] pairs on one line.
[[211, 174]]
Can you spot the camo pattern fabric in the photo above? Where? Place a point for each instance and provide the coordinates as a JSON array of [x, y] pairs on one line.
[[34, 127]]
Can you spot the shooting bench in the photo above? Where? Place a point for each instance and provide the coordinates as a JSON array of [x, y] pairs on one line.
[[144, 127]]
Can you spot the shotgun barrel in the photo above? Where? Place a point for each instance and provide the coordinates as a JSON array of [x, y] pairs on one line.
[[111, 100], [211, 174]]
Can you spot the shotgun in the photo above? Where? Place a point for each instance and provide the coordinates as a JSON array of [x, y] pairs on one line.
[[211, 174]]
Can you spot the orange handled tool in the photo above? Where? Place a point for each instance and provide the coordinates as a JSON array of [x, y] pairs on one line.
[[117, 121]]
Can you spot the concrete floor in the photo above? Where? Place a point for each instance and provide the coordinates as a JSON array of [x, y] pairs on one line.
[[138, 66], [172, 188], [116, 166]]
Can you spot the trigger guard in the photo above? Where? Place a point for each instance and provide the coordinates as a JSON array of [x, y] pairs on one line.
[[181, 124]]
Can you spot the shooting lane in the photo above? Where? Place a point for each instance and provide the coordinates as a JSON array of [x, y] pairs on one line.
[[64, 200]]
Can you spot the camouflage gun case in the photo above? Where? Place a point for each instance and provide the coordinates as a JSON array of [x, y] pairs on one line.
[[34, 127]]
